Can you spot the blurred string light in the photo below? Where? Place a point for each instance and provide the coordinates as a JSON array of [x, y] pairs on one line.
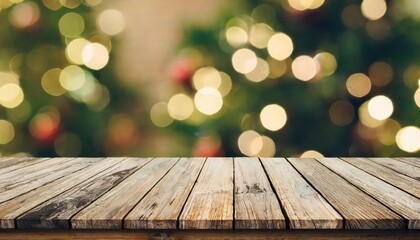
[[24, 15], [7, 132], [273, 117], [71, 25], [180, 106], [244, 60], [341, 113], [311, 154], [380, 73], [408, 139], [251, 143], [358, 85], [95, 56], [260, 72], [326, 64], [387, 131], [280, 46], [236, 36], [417, 97], [207, 77], [302, 5], [373, 9], [111, 22], [260, 34], [159, 114], [44, 125], [304, 68], [74, 50], [208, 100], [51, 82], [380, 107]]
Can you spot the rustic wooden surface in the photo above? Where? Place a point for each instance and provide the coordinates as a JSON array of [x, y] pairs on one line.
[[204, 194]]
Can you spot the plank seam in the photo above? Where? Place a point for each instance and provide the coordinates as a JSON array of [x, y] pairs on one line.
[[15, 220], [395, 169], [189, 194], [403, 160], [390, 183], [406, 222], [233, 192], [134, 205], [87, 180], [315, 189], [283, 210]]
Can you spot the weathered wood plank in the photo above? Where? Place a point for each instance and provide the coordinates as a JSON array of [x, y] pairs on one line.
[[332, 234], [411, 161], [25, 182], [161, 207], [210, 204], [401, 202], [256, 205], [359, 210], [9, 164], [108, 211], [401, 181], [305, 208], [401, 167], [15, 207], [56, 212]]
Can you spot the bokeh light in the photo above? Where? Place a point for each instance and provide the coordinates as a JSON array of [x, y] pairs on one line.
[[72, 78], [387, 131], [304, 68], [244, 60], [250, 143], [24, 14], [380, 73], [7, 132], [280, 46], [380, 107], [74, 50], [311, 154], [159, 114], [373, 9], [208, 100], [366, 119], [95, 56], [71, 25], [260, 72], [51, 82], [11, 95], [260, 34], [268, 148], [273, 117], [341, 113], [225, 84], [302, 5], [236, 36], [408, 139], [52, 4], [417, 97], [326, 62], [44, 125], [358, 85], [207, 77], [111, 22], [180, 106]]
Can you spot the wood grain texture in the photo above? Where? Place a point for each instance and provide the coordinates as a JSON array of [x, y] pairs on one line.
[[56, 212], [14, 163], [161, 207], [305, 208], [401, 167], [401, 181], [401, 202], [359, 210], [411, 161], [25, 182], [256, 205], [209, 234], [15, 207], [108, 211], [210, 204]]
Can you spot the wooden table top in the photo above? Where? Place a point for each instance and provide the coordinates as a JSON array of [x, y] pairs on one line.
[[213, 193]]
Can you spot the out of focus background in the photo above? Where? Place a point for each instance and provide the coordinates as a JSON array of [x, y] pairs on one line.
[[209, 78]]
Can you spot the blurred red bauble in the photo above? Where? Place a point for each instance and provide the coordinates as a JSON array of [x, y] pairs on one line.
[[181, 71], [207, 147]]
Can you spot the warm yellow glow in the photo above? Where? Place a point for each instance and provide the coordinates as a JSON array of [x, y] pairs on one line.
[[380, 107], [366, 119], [326, 62], [250, 143], [236, 36], [111, 22], [417, 97], [71, 3], [387, 130], [92, 3], [280, 46], [273, 117], [358, 85], [260, 72], [24, 14], [260, 34], [244, 60], [74, 50], [95, 56], [311, 154], [268, 147], [71, 25], [304, 68], [208, 100], [159, 115], [302, 5], [341, 113], [277, 68], [51, 82], [11, 95], [373, 9], [206, 77], [7, 132], [72, 78], [408, 139], [8, 78], [52, 4], [226, 84], [180, 106], [380, 73]]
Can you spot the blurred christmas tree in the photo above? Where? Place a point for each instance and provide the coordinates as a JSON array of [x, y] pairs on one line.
[[56, 95], [300, 78]]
